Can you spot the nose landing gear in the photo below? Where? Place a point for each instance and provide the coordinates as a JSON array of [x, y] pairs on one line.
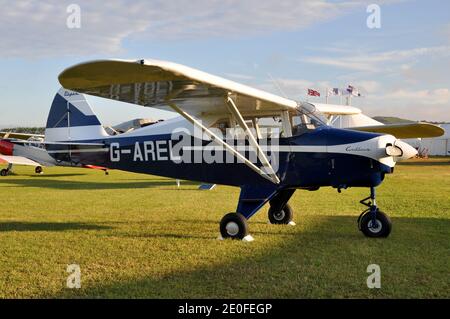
[[373, 222]]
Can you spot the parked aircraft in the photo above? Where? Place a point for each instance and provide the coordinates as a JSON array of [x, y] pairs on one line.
[[29, 150], [277, 145]]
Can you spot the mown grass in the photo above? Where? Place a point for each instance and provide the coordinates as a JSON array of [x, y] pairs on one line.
[[138, 236]]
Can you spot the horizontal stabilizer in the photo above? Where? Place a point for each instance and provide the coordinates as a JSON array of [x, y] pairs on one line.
[[405, 130], [206, 187]]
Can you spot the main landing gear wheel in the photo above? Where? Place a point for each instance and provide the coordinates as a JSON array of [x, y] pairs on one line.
[[281, 217], [234, 226], [38, 170], [373, 222], [4, 172], [380, 227]]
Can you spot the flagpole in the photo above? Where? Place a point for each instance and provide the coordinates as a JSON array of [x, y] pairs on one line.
[[326, 96]]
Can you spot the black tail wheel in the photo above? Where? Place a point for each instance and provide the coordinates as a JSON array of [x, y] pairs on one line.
[[38, 170], [380, 228], [234, 226], [4, 172], [281, 217]]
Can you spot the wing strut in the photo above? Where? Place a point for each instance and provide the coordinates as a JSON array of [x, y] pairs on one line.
[[254, 143], [273, 178]]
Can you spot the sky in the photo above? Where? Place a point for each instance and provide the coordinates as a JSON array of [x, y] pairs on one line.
[[285, 47]]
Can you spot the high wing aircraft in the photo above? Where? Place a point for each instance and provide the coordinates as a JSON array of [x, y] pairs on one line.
[[228, 133]]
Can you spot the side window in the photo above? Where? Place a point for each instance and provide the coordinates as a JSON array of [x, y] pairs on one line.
[[270, 126], [301, 123]]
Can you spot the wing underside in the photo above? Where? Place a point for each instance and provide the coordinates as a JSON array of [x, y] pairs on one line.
[[407, 130], [194, 94], [154, 83]]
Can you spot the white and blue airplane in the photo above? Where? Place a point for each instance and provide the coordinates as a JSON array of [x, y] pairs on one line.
[[268, 167]]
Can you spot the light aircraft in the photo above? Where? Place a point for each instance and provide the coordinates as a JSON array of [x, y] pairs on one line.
[[277, 145], [29, 149]]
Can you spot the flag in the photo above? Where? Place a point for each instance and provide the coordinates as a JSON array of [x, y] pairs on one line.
[[350, 89], [313, 92], [353, 91], [334, 91]]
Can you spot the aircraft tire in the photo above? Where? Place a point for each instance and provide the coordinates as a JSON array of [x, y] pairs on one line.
[[4, 172], [383, 225], [283, 217], [38, 170], [234, 226]]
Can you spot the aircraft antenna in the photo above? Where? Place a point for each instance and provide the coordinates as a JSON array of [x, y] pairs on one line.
[[277, 85]]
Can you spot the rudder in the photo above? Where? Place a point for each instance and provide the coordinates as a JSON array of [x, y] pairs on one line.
[[71, 118]]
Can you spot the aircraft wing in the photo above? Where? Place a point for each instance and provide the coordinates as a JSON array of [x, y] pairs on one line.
[[404, 130], [155, 83], [18, 160], [192, 93], [20, 136]]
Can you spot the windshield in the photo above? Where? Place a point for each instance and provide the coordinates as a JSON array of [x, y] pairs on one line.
[[311, 112], [307, 118]]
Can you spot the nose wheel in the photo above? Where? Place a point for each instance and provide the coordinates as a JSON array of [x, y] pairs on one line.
[[373, 222]]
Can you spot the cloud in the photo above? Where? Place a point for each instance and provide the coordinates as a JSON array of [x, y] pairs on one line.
[[292, 88], [378, 98], [239, 76], [430, 97], [379, 61], [38, 28], [425, 104]]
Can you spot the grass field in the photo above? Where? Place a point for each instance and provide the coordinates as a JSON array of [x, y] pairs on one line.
[[139, 236]]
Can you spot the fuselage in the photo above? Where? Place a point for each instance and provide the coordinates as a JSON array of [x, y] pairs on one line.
[[321, 157]]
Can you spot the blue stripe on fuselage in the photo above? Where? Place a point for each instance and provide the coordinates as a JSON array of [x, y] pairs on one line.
[[306, 169]]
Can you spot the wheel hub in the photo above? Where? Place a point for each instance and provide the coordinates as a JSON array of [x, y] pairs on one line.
[[232, 228], [279, 215], [375, 228]]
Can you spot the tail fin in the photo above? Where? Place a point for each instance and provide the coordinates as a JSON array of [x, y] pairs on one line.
[[72, 119]]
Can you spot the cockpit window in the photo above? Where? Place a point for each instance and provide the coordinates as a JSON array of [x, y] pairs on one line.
[[307, 118]]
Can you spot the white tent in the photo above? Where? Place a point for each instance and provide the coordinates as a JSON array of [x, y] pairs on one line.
[[438, 145]]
